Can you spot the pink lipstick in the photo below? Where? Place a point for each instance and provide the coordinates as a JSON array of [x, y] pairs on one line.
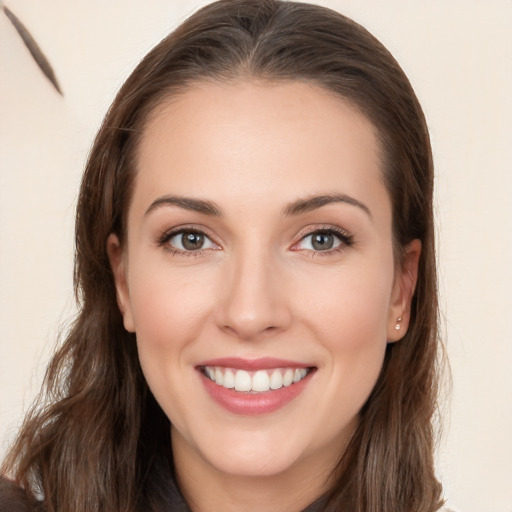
[[254, 386]]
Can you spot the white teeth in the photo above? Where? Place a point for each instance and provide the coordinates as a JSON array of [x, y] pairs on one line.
[[243, 381], [288, 377], [258, 382], [229, 379], [300, 373], [276, 380]]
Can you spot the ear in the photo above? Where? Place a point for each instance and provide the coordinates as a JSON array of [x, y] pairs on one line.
[[117, 260], [406, 277]]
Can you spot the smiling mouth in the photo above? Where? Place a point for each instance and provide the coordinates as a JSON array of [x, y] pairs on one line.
[[260, 381]]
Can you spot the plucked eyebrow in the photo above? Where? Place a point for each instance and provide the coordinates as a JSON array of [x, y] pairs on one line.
[[295, 208], [313, 202], [187, 203]]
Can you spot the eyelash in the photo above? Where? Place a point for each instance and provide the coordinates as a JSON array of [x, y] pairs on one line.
[[344, 237], [169, 235]]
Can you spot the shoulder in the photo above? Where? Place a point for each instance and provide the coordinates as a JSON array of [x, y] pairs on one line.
[[13, 498]]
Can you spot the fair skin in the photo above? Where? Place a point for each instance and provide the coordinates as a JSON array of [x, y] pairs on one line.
[[260, 271]]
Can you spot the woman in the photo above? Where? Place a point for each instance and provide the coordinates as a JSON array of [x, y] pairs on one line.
[[256, 278]]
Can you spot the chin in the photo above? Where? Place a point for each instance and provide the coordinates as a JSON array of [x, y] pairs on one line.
[[251, 465], [264, 453]]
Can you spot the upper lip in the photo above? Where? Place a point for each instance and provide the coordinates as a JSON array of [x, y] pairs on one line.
[[263, 363]]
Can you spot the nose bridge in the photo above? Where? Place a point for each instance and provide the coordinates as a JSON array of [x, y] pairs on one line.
[[254, 300]]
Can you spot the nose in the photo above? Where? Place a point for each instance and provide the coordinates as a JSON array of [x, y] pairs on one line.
[[253, 300]]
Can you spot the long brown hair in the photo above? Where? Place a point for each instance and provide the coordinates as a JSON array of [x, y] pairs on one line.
[[91, 441]]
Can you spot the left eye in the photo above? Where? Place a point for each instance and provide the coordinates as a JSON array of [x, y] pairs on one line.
[[320, 241], [190, 241]]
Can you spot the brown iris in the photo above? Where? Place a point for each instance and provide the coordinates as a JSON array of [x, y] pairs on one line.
[[192, 241]]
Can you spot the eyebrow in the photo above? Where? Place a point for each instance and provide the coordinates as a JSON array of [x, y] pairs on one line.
[[187, 203], [313, 202], [295, 208]]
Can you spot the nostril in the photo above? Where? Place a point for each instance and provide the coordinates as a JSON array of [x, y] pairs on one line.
[[251, 302], [249, 331]]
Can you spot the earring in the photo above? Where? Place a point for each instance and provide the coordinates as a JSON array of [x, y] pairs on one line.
[[398, 321]]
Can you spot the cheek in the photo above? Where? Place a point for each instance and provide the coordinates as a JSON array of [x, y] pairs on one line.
[[348, 316], [166, 301], [348, 308], [169, 308]]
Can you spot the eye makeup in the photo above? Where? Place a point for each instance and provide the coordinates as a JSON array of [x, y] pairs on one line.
[[321, 240]]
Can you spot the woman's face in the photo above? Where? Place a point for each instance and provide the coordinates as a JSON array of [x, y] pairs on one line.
[[258, 274]]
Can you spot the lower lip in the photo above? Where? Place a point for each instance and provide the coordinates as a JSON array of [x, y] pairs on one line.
[[254, 404]]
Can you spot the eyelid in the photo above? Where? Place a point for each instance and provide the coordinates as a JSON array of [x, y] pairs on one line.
[[168, 234], [345, 238]]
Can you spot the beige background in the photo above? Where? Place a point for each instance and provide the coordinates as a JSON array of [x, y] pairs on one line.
[[458, 55]]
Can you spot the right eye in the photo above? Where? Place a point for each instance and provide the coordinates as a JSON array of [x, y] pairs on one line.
[[188, 240]]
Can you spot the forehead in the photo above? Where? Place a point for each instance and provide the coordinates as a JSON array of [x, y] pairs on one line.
[[257, 140]]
